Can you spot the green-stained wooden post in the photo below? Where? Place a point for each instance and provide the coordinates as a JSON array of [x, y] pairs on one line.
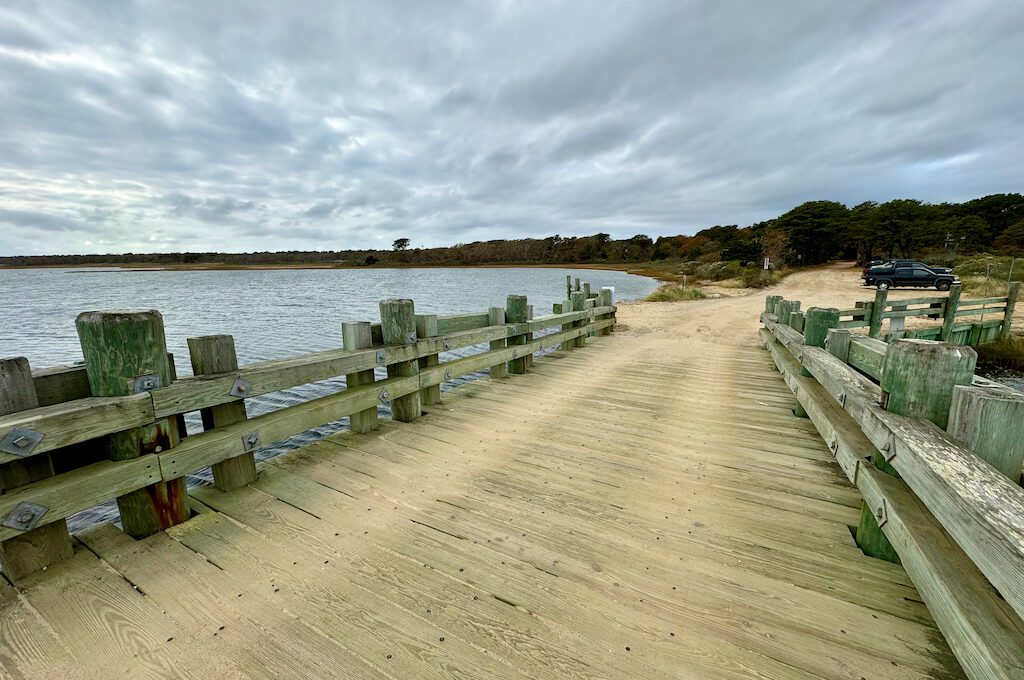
[[877, 307], [426, 327], [815, 328], [359, 335], [796, 321], [838, 343], [786, 308], [778, 307], [216, 354], [496, 317], [515, 312], [949, 313], [40, 547], [126, 352], [579, 303], [769, 303], [990, 422], [576, 287], [398, 327], [568, 285], [974, 337], [918, 381], [529, 336], [586, 290], [1011, 301]]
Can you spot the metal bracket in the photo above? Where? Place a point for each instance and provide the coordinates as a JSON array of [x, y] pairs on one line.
[[240, 388], [382, 357], [410, 338], [842, 399], [145, 383], [20, 441], [888, 449], [882, 514], [383, 396], [24, 516], [251, 440], [448, 374], [834, 445]]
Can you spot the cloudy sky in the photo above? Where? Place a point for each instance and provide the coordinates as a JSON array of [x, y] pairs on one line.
[[237, 126]]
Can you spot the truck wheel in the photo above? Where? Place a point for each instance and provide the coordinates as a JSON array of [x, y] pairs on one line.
[[942, 285], [883, 285]]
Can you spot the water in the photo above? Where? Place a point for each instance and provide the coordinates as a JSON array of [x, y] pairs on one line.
[[272, 314]]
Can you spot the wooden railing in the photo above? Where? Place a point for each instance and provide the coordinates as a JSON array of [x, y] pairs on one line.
[[949, 310], [937, 453], [74, 437]]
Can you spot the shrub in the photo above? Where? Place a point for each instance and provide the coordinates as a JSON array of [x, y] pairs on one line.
[[1007, 353], [673, 292]]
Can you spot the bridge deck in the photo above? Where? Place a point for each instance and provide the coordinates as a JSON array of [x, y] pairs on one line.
[[632, 510]]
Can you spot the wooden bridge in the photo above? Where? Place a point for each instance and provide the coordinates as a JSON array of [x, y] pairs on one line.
[[637, 504]]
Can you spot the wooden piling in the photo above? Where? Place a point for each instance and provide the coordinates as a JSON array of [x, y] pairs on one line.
[[42, 546], [815, 328], [125, 353], [607, 299], [426, 327], [516, 312], [398, 327], [358, 335], [496, 317], [216, 354], [786, 309], [877, 308], [529, 336], [949, 313], [991, 423], [796, 321], [578, 305], [918, 381], [565, 307], [769, 303], [1011, 302]]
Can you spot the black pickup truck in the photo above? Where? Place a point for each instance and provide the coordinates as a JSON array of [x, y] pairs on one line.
[[868, 274], [911, 274]]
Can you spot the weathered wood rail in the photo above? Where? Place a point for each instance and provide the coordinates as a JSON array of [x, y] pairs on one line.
[[950, 310], [74, 437], [935, 451]]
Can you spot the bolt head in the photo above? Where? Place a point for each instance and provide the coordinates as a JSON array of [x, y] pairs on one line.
[[21, 442]]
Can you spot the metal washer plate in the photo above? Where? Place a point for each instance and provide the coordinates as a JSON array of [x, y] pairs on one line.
[[24, 516], [20, 441], [240, 388], [145, 383]]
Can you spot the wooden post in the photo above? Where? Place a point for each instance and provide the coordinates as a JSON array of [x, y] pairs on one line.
[[216, 354], [607, 299], [918, 381], [42, 546], [398, 327], [125, 352], [1011, 302], [770, 302], [877, 307], [576, 287], [529, 336], [586, 290], [786, 308], [426, 327], [949, 313], [568, 285], [796, 321], [496, 317], [358, 335], [815, 328], [838, 343], [579, 303], [974, 337], [990, 422], [565, 307], [515, 312], [897, 324]]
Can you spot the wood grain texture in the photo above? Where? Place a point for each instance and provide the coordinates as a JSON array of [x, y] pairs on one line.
[[356, 335], [398, 327]]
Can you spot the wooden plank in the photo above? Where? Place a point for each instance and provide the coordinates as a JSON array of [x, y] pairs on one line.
[[990, 423], [462, 322], [81, 489], [78, 421], [983, 301], [57, 384], [906, 313], [496, 317], [426, 327]]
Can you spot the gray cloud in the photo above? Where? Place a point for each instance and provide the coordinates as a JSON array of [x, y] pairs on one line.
[[248, 125]]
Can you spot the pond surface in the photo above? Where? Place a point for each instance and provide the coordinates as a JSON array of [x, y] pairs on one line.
[[272, 314]]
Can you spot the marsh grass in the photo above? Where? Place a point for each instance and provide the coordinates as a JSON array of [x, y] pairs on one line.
[[1008, 354], [673, 292]]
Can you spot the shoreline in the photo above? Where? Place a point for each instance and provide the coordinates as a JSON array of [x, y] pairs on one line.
[[648, 270]]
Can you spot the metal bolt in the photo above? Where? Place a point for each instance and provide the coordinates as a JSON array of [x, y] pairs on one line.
[[240, 388], [252, 439], [25, 517], [22, 442], [448, 374], [879, 513]]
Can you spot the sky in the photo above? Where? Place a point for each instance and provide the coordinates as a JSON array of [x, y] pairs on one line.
[[239, 126]]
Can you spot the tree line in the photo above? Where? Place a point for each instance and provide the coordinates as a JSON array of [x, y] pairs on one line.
[[811, 233]]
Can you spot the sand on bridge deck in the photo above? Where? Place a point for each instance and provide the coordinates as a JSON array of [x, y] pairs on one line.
[[647, 507]]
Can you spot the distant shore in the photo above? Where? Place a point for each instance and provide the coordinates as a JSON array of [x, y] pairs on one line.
[[651, 270]]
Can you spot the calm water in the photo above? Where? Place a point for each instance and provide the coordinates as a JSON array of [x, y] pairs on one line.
[[271, 314]]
